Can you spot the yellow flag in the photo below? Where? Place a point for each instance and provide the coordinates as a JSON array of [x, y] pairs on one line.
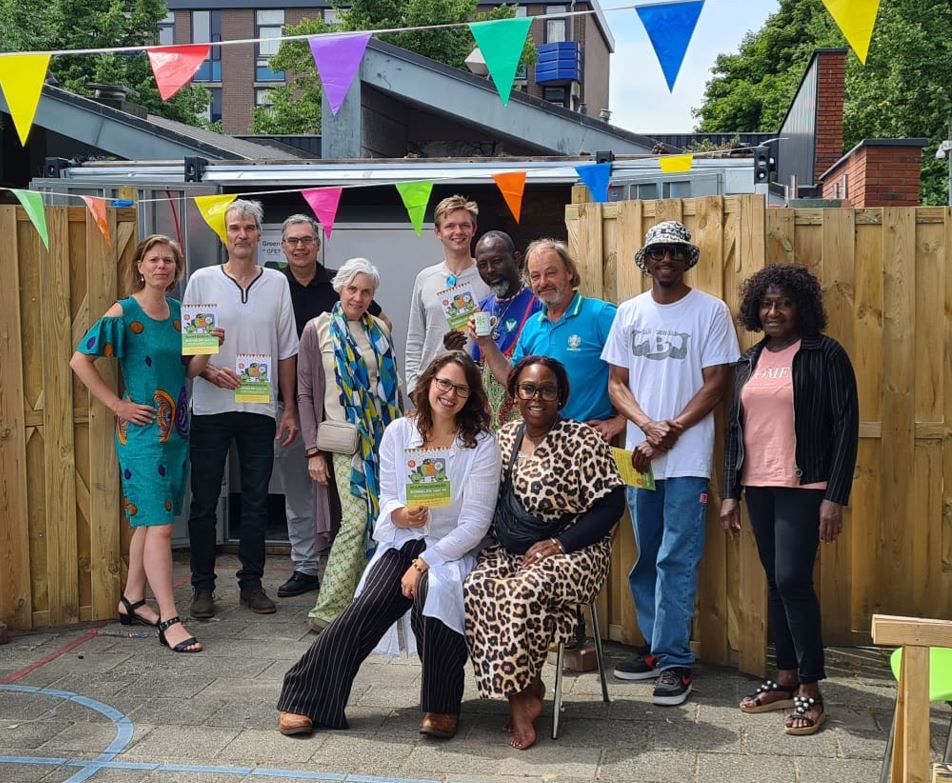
[[672, 164], [21, 78], [856, 19], [213, 210]]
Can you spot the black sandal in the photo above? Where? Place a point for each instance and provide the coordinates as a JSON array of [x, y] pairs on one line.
[[802, 705], [769, 686], [130, 617], [181, 647]]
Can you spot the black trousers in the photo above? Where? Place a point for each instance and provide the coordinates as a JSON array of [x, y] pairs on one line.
[[319, 684], [786, 525]]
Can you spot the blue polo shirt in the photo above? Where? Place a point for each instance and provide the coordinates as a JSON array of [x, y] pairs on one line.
[[576, 340]]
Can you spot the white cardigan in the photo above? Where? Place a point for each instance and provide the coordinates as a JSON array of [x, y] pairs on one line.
[[454, 534]]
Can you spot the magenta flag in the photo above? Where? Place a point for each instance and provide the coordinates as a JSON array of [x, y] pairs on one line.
[[337, 58], [324, 202]]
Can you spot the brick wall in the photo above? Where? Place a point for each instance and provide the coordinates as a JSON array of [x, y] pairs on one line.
[[831, 78], [877, 175], [238, 70]]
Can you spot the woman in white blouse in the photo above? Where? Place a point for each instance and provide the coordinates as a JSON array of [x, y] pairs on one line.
[[423, 556]]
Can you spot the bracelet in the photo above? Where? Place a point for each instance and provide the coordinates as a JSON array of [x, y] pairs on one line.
[[313, 453], [416, 567], [558, 544]]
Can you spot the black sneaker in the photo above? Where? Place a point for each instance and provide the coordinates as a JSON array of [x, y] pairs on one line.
[[641, 666], [298, 584], [673, 687]]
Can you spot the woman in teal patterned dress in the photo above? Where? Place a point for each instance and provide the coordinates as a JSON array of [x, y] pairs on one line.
[[143, 331]]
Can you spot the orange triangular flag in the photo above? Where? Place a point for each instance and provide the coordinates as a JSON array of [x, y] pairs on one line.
[[21, 78], [174, 66], [512, 184], [97, 208]]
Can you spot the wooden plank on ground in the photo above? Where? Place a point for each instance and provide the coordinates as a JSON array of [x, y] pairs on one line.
[[15, 608], [61, 560], [914, 683], [945, 564]]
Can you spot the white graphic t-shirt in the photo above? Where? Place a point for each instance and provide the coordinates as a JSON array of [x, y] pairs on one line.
[[665, 348]]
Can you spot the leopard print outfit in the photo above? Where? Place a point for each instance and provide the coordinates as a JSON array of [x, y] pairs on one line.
[[514, 614]]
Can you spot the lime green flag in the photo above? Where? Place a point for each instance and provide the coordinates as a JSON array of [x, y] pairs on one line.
[[415, 195], [32, 202], [501, 43]]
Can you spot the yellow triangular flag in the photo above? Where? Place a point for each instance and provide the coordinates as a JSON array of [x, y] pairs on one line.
[[856, 19], [21, 78], [213, 210], [672, 164]]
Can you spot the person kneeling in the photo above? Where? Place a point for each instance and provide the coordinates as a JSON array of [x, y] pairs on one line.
[[413, 542]]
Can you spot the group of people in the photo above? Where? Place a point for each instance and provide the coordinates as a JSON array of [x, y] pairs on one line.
[[519, 419]]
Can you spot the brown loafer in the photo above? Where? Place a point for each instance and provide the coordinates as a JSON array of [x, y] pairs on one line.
[[290, 723], [439, 724]]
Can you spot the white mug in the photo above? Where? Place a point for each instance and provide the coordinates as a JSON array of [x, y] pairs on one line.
[[483, 323]]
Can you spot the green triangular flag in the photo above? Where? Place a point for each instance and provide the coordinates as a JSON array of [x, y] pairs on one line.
[[32, 202], [501, 43], [415, 195]]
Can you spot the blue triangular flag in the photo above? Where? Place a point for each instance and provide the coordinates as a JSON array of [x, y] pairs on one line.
[[670, 27], [596, 177]]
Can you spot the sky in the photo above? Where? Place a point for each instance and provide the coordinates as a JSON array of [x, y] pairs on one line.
[[639, 96]]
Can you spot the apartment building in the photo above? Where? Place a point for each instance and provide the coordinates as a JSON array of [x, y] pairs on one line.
[[572, 71]]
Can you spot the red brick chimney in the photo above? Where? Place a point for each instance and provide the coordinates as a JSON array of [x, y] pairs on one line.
[[877, 173], [830, 89]]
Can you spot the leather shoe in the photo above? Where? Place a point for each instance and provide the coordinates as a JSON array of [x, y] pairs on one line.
[[439, 724], [290, 723], [298, 584], [203, 604], [257, 601]]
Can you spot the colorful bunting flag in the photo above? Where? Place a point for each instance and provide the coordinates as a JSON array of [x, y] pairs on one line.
[[21, 79], [672, 164], [32, 202], [415, 196], [174, 66], [596, 177], [97, 208], [337, 58], [212, 209], [856, 20], [512, 184], [670, 27], [501, 43], [324, 203]]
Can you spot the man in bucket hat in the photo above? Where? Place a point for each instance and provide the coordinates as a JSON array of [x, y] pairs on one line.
[[670, 350]]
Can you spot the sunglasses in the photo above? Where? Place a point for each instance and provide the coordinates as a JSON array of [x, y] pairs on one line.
[[526, 391], [658, 252]]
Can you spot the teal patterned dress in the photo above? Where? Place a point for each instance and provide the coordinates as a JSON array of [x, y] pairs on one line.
[[153, 458]]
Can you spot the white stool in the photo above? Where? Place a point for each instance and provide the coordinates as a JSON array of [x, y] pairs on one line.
[[557, 706]]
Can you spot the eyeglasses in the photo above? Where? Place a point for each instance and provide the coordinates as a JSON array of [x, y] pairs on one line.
[[303, 241], [657, 252], [445, 385], [526, 391]]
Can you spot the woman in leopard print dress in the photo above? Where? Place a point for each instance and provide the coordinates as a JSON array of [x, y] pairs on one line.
[[519, 603]]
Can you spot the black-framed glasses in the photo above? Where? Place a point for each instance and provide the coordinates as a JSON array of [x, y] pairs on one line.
[[303, 241], [658, 252], [445, 385], [526, 391]]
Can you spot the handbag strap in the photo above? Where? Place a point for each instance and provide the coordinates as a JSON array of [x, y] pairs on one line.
[[515, 451]]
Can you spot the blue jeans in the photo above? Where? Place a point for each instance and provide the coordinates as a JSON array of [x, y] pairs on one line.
[[669, 524]]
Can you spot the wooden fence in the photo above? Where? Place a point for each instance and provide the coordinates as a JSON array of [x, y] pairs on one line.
[[60, 531], [887, 283]]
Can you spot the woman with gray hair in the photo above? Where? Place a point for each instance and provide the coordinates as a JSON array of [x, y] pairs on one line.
[[348, 392]]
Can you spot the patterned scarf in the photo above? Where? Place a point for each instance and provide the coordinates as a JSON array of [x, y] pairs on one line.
[[371, 410]]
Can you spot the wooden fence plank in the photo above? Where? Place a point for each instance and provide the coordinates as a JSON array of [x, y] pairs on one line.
[[945, 546], [780, 236], [585, 246], [15, 599], [62, 563]]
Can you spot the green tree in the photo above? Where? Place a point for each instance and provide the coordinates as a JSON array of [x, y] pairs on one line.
[[296, 106], [43, 25], [902, 91]]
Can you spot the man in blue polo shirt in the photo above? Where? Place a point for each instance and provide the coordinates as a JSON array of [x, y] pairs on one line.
[[571, 328]]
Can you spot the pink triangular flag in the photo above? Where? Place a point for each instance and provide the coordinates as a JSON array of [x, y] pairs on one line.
[[324, 202], [174, 66], [337, 58], [97, 208]]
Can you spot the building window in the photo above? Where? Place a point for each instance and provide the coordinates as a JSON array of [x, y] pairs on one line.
[[206, 28], [268, 25], [332, 15], [556, 95], [556, 30], [521, 12], [212, 112], [263, 96], [167, 29]]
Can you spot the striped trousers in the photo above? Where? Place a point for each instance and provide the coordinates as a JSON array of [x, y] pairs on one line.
[[319, 684]]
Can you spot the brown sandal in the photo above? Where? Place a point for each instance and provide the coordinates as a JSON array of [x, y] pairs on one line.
[[802, 705], [769, 686]]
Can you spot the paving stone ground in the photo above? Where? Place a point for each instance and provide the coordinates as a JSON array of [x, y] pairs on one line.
[[210, 718]]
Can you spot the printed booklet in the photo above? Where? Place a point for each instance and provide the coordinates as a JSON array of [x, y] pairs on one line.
[[427, 482], [254, 373], [458, 303], [198, 320], [628, 473]]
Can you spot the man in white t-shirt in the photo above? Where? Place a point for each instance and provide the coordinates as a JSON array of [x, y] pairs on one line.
[[254, 306], [670, 350], [455, 226]]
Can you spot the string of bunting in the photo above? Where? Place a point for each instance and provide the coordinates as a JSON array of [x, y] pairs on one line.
[[337, 56]]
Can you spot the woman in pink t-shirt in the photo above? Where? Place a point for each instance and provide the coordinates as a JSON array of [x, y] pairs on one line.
[[791, 448]]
